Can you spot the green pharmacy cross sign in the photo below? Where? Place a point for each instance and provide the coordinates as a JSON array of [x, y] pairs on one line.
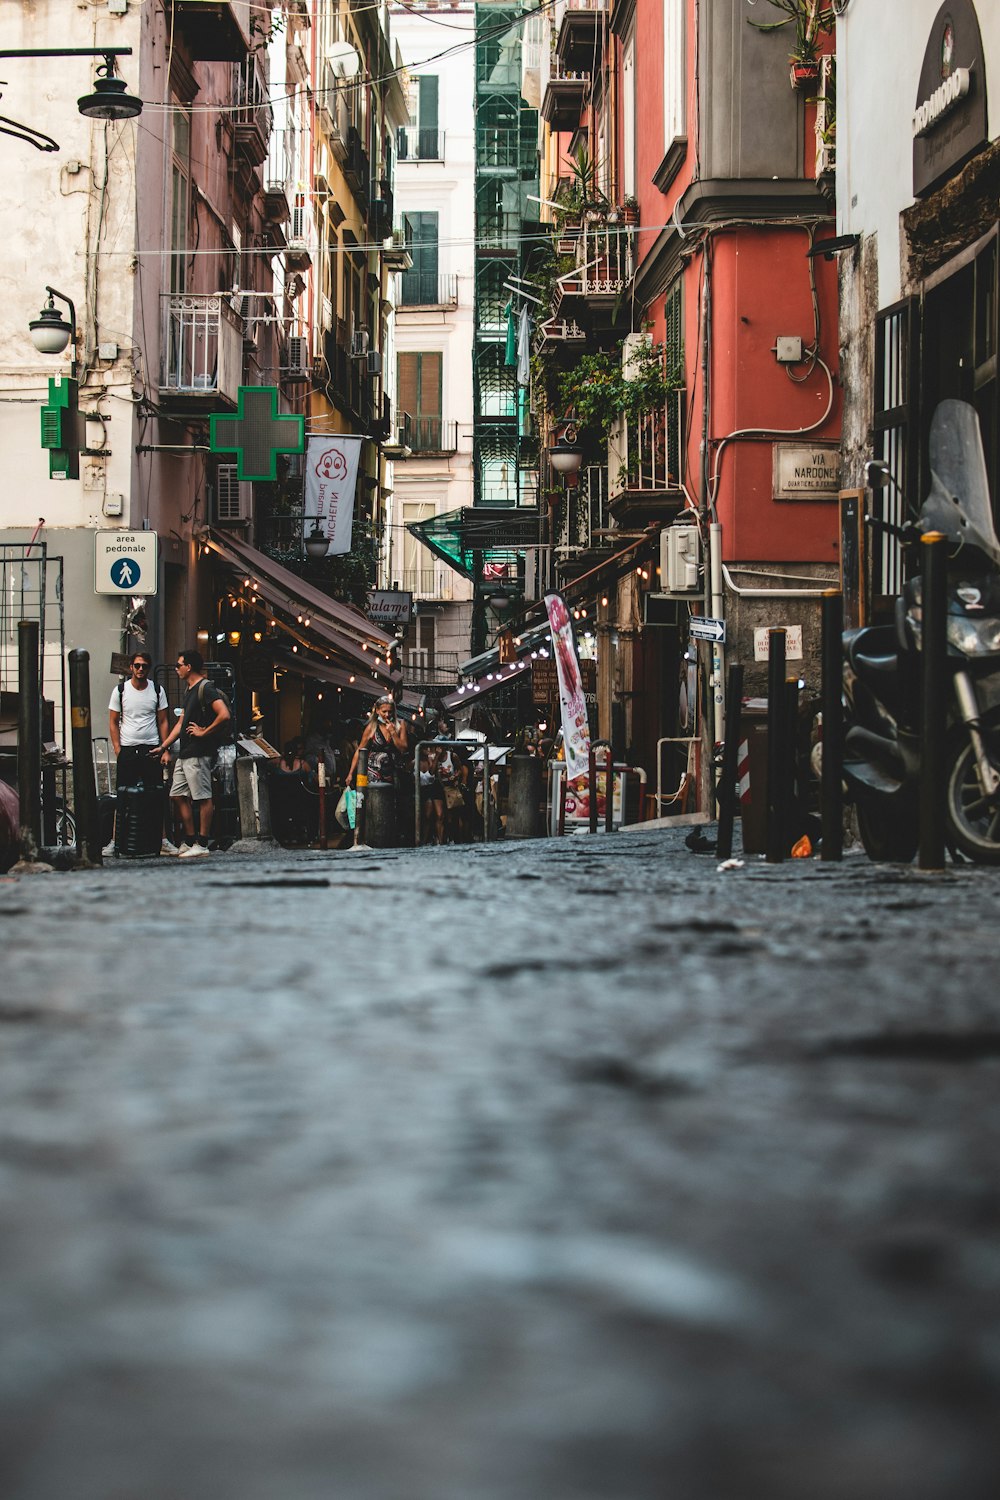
[[257, 434]]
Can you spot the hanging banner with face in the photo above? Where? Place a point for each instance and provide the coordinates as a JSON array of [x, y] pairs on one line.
[[331, 477], [576, 728]]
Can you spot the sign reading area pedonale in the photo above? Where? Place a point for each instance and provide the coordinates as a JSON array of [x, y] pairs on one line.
[[125, 562], [806, 472]]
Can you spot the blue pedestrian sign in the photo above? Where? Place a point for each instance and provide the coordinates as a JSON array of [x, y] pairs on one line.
[[125, 573], [125, 562]]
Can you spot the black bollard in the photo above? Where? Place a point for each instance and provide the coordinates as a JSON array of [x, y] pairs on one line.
[[831, 794], [934, 698], [85, 806], [524, 799], [380, 815], [777, 758], [29, 740], [730, 763]]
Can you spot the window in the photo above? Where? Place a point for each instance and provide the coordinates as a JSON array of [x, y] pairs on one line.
[[420, 285], [421, 140], [180, 195], [674, 111], [628, 116], [418, 391]]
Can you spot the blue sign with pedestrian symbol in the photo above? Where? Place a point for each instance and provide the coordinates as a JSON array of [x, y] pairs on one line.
[[125, 562], [125, 573]]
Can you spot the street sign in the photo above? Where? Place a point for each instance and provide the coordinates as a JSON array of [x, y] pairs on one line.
[[390, 606], [125, 562], [257, 433], [704, 628]]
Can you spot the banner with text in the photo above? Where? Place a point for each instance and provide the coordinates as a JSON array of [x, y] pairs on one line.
[[331, 477], [576, 729]]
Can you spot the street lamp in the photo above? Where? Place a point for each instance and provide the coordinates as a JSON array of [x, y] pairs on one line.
[[565, 454], [50, 331], [317, 543], [109, 100]]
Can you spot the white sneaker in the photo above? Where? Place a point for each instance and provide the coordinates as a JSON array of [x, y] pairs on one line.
[[193, 851], [184, 847], [109, 850], [168, 848]]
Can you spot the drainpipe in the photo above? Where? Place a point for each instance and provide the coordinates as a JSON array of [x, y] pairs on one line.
[[718, 613]]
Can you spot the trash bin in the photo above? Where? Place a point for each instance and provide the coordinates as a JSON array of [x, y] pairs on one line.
[[751, 775]]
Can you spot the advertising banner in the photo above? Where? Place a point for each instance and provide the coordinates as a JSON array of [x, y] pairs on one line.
[[331, 477], [576, 729]]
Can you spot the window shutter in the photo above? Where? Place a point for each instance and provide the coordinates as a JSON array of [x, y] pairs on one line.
[[427, 117]]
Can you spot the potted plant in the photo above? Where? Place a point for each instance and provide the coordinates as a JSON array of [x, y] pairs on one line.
[[812, 20]]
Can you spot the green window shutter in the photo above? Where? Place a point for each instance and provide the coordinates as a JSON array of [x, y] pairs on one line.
[[427, 118], [420, 285]]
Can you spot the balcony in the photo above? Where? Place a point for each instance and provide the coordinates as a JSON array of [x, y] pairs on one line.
[[415, 143], [278, 177], [605, 265], [431, 672], [564, 98], [397, 255], [214, 30], [252, 116], [580, 43], [357, 168], [380, 212], [432, 437], [397, 444], [201, 352], [301, 245], [422, 290], [644, 464]]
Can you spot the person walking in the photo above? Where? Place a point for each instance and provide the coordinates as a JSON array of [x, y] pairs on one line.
[[200, 732], [137, 727]]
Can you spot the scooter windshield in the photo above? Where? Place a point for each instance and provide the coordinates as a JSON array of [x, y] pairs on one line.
[[959, 500]]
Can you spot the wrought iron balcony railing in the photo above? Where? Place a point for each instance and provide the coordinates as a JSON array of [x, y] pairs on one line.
[[645, 455], [417, 143], [201, 348]]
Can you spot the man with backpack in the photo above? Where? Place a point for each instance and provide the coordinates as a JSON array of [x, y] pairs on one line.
[[201, 730], [137, 726]]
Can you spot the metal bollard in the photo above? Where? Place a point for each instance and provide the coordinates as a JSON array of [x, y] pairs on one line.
[[832, 778], [776, 757], [85, 805], [934, 699], [29, 740], [609, 785], [730, 762], [525, 797], [321, 779], [360, 787]]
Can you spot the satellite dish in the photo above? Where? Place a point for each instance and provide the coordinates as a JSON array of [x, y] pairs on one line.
[[344, 59]]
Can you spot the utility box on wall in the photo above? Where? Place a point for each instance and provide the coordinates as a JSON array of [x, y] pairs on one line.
[[680, 556]]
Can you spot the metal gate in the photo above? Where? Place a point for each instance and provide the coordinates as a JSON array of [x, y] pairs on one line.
[[31, 588]]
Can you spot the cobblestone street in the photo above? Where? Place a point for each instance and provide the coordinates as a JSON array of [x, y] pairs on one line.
[[550, 1171]]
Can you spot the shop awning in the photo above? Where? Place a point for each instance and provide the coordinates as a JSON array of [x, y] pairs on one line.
[[340, 677], [335, 624]]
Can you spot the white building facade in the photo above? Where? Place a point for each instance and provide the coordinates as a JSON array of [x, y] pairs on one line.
[[435, 168]]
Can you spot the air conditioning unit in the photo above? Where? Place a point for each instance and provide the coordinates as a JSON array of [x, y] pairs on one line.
[[299, 228], [233, 496], [359, 343], [298, 360], [680, 556], [374, 362]]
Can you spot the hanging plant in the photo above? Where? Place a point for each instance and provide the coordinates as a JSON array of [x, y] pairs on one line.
[[812, 20], [598, 389]]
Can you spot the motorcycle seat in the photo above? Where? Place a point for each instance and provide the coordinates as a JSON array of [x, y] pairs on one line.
[[873, 650]]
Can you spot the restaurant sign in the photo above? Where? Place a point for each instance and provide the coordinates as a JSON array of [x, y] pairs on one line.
[[949, 116], [390, 607], [806, 471]]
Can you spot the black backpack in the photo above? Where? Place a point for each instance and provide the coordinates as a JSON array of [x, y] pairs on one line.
[[225, 735]]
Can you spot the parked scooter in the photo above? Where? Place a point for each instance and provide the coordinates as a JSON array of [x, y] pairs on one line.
[[882, 668]]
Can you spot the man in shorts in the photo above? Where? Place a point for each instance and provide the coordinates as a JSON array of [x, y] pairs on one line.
[[200, 730], [137, 726]]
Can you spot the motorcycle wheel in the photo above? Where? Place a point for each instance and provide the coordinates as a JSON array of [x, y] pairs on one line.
[[888, 831], [973, 823]]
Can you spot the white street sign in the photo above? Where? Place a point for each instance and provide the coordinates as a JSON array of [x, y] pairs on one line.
[[704, 628], [793, 642], [125, 562]]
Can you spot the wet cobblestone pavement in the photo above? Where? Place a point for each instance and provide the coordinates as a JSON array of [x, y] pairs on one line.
[[553, 1171]]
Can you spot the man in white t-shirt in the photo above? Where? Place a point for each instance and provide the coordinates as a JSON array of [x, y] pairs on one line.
[[137, 724]]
